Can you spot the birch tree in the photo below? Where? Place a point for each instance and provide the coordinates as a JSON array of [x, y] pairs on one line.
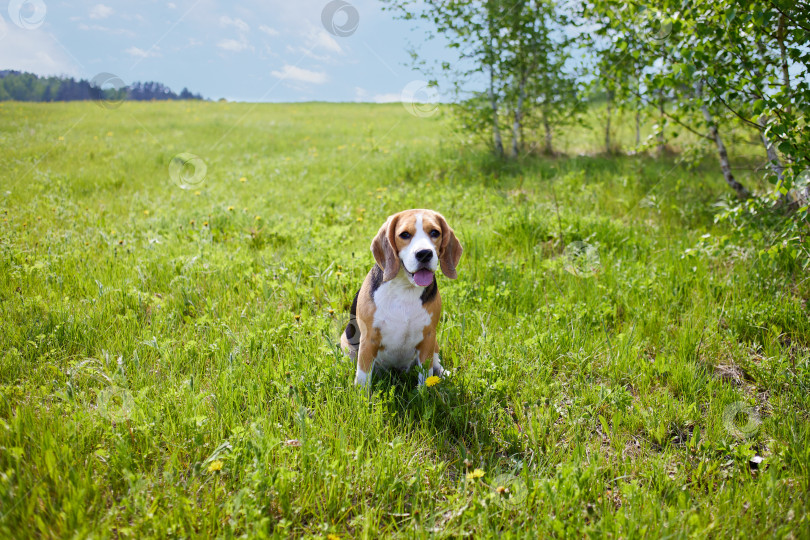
[[519, 49]]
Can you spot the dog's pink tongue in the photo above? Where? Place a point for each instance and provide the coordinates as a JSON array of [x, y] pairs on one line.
[[423, 278]]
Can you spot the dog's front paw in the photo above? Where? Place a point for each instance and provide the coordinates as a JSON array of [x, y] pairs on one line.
[[360, 377], [438, 370]]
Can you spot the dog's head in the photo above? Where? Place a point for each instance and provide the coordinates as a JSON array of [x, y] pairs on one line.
[[418, 241]]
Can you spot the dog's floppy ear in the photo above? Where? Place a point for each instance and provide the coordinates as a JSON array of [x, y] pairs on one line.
[[450, 250], [384, 249]]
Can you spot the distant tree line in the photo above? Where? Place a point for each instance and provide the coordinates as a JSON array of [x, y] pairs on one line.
[[18, 86]]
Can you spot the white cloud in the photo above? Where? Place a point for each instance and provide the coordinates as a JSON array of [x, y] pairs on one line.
[[320, 39], [171, 5], [239, 24], [272, 32], [387, 98], [233, 45], [360, 94], [293, 73], [34, 51], [100, 28], [241, 42], [100, 11], [317, 41], [317, 45], [140, 53]]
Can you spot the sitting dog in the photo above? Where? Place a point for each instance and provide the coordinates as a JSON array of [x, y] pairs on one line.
[[395, 313]]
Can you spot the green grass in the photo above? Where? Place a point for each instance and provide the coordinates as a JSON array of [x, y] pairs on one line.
[[151, 331]]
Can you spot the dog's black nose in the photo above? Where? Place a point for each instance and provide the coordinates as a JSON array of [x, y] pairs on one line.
[[424, 255]]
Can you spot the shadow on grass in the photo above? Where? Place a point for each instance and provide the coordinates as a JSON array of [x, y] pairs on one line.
[[462, 431]]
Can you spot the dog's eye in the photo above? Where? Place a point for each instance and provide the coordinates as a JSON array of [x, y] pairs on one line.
[[405, 235], [435, 234]]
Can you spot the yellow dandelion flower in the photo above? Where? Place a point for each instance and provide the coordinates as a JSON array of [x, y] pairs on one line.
[[230, 209], [332, 537], [61, 138], [205, 224], [215, 465], [360, 218], [146, 212], [338, 274], [243, 179], [197, 193], [258, 218], [298, 317], [432, 381], [192, 222], [95, 137], [109, 134], [501, 490], [477, 473]]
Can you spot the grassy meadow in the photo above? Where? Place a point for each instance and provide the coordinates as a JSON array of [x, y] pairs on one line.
[[621, 366]]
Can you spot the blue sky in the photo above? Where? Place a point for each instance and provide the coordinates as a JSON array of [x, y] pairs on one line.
[[247, 51]]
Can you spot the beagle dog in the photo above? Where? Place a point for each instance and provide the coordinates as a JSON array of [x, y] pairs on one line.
[[395, 313]]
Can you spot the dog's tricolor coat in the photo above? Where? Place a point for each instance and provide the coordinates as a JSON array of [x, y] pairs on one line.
[[395, 313]]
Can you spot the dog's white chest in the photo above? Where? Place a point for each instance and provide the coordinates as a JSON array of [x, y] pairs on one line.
[[401, 320]]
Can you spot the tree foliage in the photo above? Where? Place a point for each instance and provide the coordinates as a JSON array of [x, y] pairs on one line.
[[710, 66]]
